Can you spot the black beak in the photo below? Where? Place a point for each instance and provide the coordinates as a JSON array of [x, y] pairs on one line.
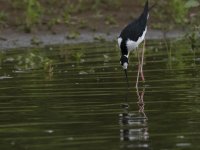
[[125, 70]]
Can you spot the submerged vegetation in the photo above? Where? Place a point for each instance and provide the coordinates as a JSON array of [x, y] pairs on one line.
[[33, 15], [27, 60], [86, 105], [45, 58]]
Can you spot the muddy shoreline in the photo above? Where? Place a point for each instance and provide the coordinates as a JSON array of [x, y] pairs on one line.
[[12, 40]]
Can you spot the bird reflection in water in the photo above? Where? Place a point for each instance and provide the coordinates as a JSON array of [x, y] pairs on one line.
[[134, 126]]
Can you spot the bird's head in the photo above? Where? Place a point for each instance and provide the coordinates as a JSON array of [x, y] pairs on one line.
[[124, 62]]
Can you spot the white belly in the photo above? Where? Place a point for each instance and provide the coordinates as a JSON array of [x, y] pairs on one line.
[[131, 45]]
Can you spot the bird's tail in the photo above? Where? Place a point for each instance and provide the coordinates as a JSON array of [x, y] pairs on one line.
[[150, 8], [146, 7]]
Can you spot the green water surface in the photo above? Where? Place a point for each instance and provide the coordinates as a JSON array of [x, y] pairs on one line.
[[75, 97]]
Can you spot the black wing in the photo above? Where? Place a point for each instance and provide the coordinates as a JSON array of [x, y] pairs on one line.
[[136, 28]]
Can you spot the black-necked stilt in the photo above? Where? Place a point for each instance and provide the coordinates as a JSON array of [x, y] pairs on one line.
[[130, 38]]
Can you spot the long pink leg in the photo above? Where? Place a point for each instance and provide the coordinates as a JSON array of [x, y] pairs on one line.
[[138, 74], [142, 62], [141, 101]]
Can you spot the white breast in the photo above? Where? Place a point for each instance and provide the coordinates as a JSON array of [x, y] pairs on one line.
[[131, 45], [119, 40]]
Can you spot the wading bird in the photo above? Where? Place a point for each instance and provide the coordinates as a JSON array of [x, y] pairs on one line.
[[130, 38]]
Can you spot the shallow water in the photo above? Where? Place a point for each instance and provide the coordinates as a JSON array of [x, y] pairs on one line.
[[75, 97]]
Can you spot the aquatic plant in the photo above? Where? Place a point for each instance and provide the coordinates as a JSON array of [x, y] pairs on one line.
[[1, 58], [53, 22], [77, 56], [177, 12], [99, 38], [75, 7], [33, 13], [73, 35], [33, 60], [3, 18], [193, 38], [192, 3], [110, 20], [82, 24], [48, 65], [36, 41], [110, 3], [180, 9]]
